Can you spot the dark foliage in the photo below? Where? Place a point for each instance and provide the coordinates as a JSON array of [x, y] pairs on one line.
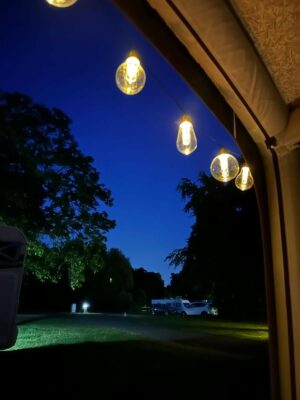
[[147, 286], [50, 190], [223, 255]]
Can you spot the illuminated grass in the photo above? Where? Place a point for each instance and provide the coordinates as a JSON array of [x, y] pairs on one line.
[[242, 330], [250, 331], [50, 332], [62, 331], [40, 334], [75, 356]]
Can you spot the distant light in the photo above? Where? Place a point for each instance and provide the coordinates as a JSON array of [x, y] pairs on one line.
[[61, 3], [85, 306], [110, 280], [214, 311]]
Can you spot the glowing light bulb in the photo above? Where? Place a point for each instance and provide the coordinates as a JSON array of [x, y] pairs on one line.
[[186, 139], [130, 76], [244, 180], [224, 167], [85, 307], [61, 3]]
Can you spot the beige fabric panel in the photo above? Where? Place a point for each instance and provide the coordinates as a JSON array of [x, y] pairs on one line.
[[282, 327], [289, 139], [274, 27], [289, 171], [214, 23]]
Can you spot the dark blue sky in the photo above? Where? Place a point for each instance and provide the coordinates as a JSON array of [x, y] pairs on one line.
[[67, 58]]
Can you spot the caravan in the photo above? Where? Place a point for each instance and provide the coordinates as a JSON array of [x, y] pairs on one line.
[[182, 307], [161, 306], [170, 306]]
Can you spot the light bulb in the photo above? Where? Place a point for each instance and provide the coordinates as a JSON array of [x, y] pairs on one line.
[[130, 76], [244, 180], [224, 167], [61, 3], [186, 139]]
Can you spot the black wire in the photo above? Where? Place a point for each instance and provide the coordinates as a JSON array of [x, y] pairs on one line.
[[166, 90]]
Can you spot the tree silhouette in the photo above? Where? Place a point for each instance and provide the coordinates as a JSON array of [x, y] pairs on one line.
[[51, 190], [223, 255], [150, 283], [111, 288]]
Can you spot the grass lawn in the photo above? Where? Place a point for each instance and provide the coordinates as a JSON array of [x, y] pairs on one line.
[[255, 331], [60, 332], [66, 357]]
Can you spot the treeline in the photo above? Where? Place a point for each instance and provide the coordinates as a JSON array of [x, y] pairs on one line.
[[52, 192], [117, 287]]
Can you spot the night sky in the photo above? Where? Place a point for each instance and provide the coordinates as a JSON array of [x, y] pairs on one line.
[[67, 58]]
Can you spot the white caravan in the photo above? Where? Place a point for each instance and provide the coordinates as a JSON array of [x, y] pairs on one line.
[[180, 306]]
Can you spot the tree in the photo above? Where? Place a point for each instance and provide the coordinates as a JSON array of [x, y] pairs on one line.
[[150, 283], [223, 255], [51, 191], [118, 270], [112, 286]]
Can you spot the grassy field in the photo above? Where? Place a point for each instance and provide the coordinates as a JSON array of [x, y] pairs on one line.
[[57, 331], [60, 332], [254, 331], [67, 357]]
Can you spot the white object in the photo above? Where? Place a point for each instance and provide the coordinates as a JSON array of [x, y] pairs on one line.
[[12, 253], [73, 308], [181, 306], [85, 307], [203, 307]]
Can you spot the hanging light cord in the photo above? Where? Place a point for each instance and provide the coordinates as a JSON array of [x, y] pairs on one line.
[[172, 97], [234, 126], [234, 134], [166, 90], [164, 87]]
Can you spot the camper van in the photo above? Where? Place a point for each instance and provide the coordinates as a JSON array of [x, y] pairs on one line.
[[182, 307], [162, 306], [170, 306]]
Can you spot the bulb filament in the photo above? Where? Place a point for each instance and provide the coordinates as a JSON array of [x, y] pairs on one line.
[[186, 133], [245, 175], [224, 165], [132, 69]]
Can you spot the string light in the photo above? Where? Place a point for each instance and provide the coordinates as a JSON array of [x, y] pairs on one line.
[[244, 180], [224, 167], [131, 79], [186, 139], [130, 75], [61, 3]]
